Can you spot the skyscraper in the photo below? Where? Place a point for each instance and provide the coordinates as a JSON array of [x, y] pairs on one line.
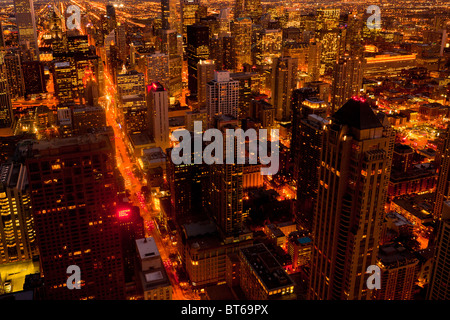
[[170, 15], [6, 113], [130, 83], [18, 241], [222, 95], [442, 192], [158, 106], [350, 203], [314, 60], [14, 75], [226, 193], [205, 73], [158, 68], [439, 287], [347, 80], [74, 195], [197, 49], [241, 32], [284, 81], [64, 89], [248, 8], [26, 24]]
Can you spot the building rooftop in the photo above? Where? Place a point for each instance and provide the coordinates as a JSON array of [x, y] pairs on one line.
[[147, 248], [357, 114], [266, 267]]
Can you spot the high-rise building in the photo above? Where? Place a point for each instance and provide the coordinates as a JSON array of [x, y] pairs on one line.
[[442, 193], [284, 81], [111, 20], [327, 19], [131, 82], [247, 85], [439, 286], [14, 75], [350, 203], [398, 273], [2, 38], [33, 76], [134, 115], [248, 8], [314, 60], [222, 95], [158, 106], [347, 80], [6, 113], [158, 68], [189, 13], [18, 241], [170, 15], [241, 32], [226, 193], [131, 228], [63, 75], [26, 24], [308, 144], [74, 195], [197, 49], [205, 73]]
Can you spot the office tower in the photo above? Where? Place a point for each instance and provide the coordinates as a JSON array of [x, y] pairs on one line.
[[26, 25], [84, 118], [62, 76], [307, 144], [227, 53], [134, 113], [74, 195], [131, 227], [248, 8], [268, 45], [158, 68], [158, 106], [2, 38], [224, 21], [33, 76], [347, 80], [205, 73], [170, 15], [327, 19], [241, 32], [189, 13], [226, 193], [169, 44], [18, 241], [261, 275], [14, 75], [398, 273], [247, 85], [284, 81], [222, 95], [6, 113], [131, 82], [314, 60], [329, 48], [197, 49], [439, 286], [111, 20], [350, 203], [442, 192], [186, 182], [121, 41]]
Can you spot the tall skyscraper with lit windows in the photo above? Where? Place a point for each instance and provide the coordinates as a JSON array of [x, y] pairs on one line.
[[74, 195], [222, 95], [158, 106], [26, 24], [6, 113], [350, 203]]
